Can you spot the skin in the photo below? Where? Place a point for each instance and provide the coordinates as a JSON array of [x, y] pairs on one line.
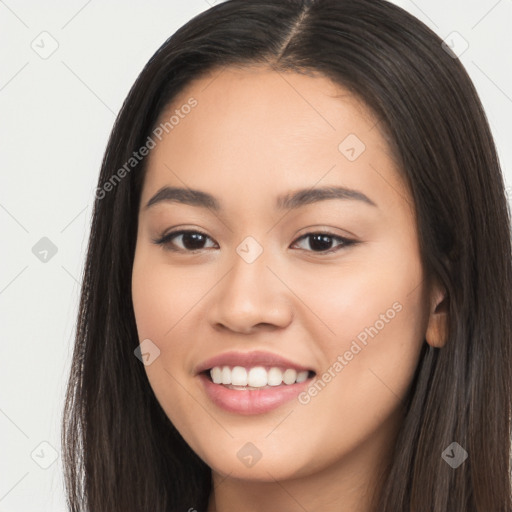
[[256, 134]]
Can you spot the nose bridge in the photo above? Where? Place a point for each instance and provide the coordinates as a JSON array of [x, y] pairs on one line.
[[250, 293], [249, 275]]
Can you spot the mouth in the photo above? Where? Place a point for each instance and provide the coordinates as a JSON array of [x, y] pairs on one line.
[[227, 388], [256, 378]]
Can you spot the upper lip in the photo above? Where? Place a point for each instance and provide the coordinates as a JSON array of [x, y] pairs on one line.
[[249, 359]]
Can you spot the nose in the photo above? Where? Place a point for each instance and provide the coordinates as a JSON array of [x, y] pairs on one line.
[[250, 297]]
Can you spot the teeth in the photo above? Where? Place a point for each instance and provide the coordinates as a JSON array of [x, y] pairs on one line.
[[238, 376], [226, 375], [216, 374], [275, 377], [256, 377]]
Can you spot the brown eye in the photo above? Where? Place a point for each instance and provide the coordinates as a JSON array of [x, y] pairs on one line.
[[322, 242], [191, 241]]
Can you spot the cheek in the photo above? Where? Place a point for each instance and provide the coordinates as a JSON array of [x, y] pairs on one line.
[[161, 300], [162, 296], [166, 302], [158, 304], [368, 374], [376, 319], [378, 298]]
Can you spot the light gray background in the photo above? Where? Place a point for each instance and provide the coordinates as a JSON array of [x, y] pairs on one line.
[[56, 114]]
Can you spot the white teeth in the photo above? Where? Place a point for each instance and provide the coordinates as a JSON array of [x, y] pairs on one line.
[[256, 377], [238, 376], [275, 377], [226, 375], [289, 376], [216, 374]]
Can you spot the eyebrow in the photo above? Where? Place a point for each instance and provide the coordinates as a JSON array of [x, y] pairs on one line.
[[290, 201]]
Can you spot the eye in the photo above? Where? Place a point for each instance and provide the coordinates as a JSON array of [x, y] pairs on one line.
[[193, 241], [322, 242]]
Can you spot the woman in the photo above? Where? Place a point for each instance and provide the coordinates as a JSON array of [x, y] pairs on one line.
[[296, 294]]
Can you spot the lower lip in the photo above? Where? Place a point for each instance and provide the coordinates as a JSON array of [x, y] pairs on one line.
[[256, 401]]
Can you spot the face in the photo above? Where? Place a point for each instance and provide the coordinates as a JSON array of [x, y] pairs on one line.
[[333, 284]]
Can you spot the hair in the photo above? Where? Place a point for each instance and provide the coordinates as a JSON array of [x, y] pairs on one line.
[[120, 450]]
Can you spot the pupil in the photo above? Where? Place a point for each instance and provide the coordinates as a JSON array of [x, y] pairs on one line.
[[196, 241], [320, 242]]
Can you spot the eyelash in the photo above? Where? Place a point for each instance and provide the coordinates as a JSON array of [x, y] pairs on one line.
[[165, 241]]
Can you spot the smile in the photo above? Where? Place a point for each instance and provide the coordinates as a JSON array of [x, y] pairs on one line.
[[253, 390]]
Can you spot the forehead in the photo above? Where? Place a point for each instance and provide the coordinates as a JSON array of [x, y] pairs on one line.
[[265, 131]]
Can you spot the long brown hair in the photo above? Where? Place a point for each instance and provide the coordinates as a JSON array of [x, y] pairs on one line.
[[121, 452]]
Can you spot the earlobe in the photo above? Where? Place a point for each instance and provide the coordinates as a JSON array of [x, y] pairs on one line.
[[437, 328]]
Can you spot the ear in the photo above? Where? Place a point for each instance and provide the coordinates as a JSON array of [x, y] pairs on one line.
[[437, 328]]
